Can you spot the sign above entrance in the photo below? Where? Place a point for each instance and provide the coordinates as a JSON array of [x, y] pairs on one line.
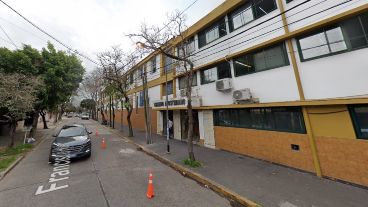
[[176, 103]]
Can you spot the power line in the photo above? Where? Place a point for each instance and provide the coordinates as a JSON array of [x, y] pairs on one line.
[[7, 41], [266, 33], [46, 33], [6, 34]]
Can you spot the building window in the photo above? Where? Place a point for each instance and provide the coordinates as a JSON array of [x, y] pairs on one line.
[[170, 87], [212, 33], [141, 98], [183, 83], [189, 47], [284, 119], [168, 63], [153, 65], [265, 59], [217, 72], [348, 35], [250, 11], [131, 78], [359, 114]]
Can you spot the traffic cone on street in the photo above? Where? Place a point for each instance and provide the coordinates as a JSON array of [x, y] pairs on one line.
[[150, 192], [96, 133], [103, 144]]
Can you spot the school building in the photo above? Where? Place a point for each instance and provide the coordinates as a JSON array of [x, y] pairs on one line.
[[279, 80]]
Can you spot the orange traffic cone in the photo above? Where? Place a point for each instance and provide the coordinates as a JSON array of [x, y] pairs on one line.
[[150, 192], [103, 144], [96, 133]]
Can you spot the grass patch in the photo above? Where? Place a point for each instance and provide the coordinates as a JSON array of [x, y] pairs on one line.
[[5, 162], [192, 163], [16, 150], [9, 155]]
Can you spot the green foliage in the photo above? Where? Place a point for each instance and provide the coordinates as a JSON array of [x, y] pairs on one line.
[[88, 104], [60, 72], [16, 150], [192, 163]]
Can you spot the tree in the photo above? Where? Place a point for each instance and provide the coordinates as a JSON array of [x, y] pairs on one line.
[[115, 65], [18, 93], [91, 87], [88, 104], [165, 40], [62, 74]]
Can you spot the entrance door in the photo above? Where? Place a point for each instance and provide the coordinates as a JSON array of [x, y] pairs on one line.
[[164, 122], [185, 127]]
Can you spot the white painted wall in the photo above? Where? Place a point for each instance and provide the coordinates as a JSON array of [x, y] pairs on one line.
[[154, 94], [206, 129], [338, 76], [296, 17]]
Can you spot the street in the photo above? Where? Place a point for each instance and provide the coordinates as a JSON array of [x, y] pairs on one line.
[[115, 176]]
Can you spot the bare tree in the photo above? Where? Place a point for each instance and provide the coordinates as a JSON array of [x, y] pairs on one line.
[[91, 87], [115, 65], [172, 36], [17, 97]]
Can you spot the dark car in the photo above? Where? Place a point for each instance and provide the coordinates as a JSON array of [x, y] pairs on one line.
[[72, 141]]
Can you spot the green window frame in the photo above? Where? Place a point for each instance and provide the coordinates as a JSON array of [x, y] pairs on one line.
[[182, 83], [170, 86], [345, 36], [212, 33], [283, 119], [249, 12], [265, 59], [359, 116], [219, 71]]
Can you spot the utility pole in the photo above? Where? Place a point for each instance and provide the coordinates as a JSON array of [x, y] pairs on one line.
[[167, 114], [146, 107]]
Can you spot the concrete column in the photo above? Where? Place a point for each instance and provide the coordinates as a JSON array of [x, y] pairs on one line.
[[159, 123], [177, 125], [206, 129]]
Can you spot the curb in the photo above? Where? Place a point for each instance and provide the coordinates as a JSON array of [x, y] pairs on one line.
[[235, 199], [17, 161]]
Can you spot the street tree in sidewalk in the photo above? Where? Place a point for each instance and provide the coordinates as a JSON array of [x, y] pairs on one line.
[[115, 65], [91, 89], [18, 94], [171, 37]]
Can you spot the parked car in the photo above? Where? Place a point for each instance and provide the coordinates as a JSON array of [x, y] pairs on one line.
[[72, 141], [85, 116], [70, 115]]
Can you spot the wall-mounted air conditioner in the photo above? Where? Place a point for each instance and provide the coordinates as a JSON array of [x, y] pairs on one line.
[[223, 84], [242, 95]]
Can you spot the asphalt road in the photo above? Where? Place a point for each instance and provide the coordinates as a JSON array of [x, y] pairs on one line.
[[115, 176]]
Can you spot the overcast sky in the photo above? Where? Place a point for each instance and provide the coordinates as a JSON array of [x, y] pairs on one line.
[[90, 26]]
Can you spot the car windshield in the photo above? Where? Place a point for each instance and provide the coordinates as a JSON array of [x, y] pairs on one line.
[[72, 131]]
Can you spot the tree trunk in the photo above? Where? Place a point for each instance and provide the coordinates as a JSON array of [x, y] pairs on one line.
[[113, 113], [130, 122], [13, 126], [43, 115], [190, 130], [190, 112], [36, 115]]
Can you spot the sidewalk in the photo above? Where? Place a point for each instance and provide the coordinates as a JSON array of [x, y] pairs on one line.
[[262, 182]]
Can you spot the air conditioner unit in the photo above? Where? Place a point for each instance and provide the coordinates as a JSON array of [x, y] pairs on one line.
[[223, 84], [242, 95]]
